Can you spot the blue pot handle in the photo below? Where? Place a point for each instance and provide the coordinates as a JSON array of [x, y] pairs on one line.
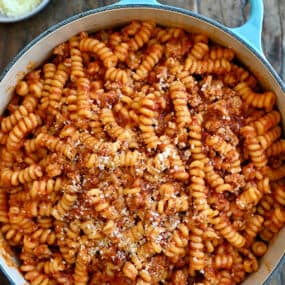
[[251, 31]]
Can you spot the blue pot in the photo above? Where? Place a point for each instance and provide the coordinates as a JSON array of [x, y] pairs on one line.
[[245, 40]]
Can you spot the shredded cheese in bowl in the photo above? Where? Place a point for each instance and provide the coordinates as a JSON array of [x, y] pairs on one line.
[[15, 8]]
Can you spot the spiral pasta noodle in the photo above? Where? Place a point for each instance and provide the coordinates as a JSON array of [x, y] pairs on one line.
[[250, 196], [114, 130], [116, 74], [56, 88], [155, 53], [199, 50], [21, 129], [69, 246], [218, 66], [55, 144], [28, 174], [77, 69], [215, 180], [45, 187], [164, 35], [147, 119], [198, 191], [63, 205], [38, 208], [253, 226], [141, 36], [223, 225], [3, 207], [276, 148], [195, 138], [108, 58], [179, 243], [177, 168], [265, 123], [8, 123], [83, 100], [81, 268], [273, 225], [279, 193], [255, 150], [170, 202], [269, 137], [265, 101], [22, 88], [179, 97], [220, 52], [197, 256]]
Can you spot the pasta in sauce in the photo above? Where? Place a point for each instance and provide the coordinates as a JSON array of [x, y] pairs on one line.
[[141, 155]]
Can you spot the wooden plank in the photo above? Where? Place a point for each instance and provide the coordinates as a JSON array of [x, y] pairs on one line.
[[232, 12], [227, 12], [17, 36], [281, 11], [189, 5], [271, 36], [107, 2], [3, 280], [211, 9]]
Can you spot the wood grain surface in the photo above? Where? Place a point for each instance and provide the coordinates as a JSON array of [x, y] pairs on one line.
[[229, 12]]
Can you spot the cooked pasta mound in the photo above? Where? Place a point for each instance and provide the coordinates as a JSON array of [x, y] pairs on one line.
[[141, 155]]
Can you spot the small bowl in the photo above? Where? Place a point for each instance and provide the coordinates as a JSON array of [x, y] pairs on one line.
[[37, 9]]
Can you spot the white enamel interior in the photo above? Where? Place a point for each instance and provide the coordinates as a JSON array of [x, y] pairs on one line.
[[104, 19]]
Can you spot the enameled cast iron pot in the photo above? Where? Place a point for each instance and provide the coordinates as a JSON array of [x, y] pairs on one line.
[[244, 40]]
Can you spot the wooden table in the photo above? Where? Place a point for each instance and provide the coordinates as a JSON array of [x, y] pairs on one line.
[[229, 12]]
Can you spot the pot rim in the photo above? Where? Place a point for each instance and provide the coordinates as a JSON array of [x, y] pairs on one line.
[[116, 6]]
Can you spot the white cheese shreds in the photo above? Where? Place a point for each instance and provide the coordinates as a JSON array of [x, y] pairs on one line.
[[15, 8]]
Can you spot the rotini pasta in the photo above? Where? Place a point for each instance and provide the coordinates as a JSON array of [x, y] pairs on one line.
[[14, 178], [218, 66], [21, 129], [142, 36], [179, 96], [148, 121], [77, 69], [254, 148], [199, 50], [56, 88], [265, 123], [108, 58], [223, 225], [196, 252], [8, 123], [155, 53], [83, 101], [270, 137], [141, 155], [220, 52], [265, 101], [115, 130]]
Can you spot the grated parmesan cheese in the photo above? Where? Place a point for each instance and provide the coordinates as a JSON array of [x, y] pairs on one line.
[[15, 8]]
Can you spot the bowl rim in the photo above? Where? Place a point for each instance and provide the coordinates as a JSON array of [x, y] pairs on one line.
[[158, 6], [10, 19]]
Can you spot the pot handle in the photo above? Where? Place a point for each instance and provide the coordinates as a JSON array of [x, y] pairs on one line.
[[128, 2], [251, 31]]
